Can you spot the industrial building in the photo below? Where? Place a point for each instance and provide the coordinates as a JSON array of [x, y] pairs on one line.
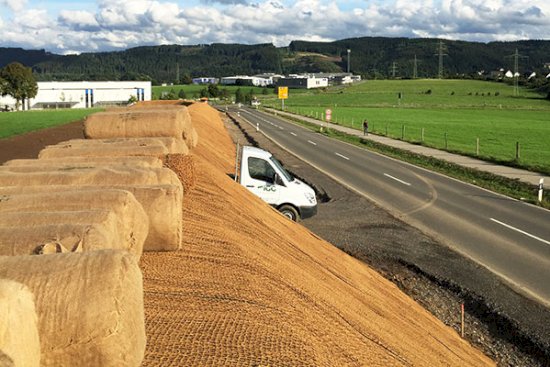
[[53, 95], [303, 81]]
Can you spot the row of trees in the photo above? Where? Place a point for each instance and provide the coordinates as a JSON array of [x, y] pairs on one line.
[[18, 82]]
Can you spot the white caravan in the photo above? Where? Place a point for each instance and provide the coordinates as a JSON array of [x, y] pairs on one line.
[[263, 175]]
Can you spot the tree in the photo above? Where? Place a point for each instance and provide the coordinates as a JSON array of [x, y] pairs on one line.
[[213, 90], [2, 86], [181, 94], [18, 82], [186, 79], [239, 97]]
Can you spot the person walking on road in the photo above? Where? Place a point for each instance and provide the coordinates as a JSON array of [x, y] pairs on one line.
[[365, 127]]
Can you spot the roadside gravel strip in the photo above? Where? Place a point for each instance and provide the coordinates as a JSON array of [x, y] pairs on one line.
[[511, 329]]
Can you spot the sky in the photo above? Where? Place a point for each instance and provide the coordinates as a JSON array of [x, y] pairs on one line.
[[67, 27]]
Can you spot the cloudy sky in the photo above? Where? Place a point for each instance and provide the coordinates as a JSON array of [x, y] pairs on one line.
[[65, 26]]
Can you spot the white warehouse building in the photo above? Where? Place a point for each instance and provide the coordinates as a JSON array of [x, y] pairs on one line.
[[83, 94]]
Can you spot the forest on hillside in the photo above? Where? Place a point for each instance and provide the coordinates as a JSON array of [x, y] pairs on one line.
[[371, 57]]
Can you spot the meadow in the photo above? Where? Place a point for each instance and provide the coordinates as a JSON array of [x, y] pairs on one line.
[[444, 114], [14, 123]]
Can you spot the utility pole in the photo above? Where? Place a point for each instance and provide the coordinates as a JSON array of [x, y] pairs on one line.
[[393, 69], [349, 52], [516, 56], [415, 68], [177, 73], [440, 53]]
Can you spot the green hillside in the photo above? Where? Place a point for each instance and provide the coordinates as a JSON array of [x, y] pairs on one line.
[[371, 57]]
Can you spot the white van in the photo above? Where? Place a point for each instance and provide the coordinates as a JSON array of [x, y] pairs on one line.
[[263, 175]]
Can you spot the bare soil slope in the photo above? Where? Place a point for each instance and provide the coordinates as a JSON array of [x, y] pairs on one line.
[[251, 288]]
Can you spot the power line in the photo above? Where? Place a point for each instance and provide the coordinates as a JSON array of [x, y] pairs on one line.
[[415, 67], [393, 69], [516, 56], [440, 53]]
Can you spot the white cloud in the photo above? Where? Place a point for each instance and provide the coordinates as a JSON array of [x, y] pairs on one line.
[[14, 5], [78, 20], [116, 25]]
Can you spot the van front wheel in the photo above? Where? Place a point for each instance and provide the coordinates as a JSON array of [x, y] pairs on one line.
[[289, 212]]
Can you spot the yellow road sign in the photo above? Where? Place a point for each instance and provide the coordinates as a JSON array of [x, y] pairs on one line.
[[283, 92]]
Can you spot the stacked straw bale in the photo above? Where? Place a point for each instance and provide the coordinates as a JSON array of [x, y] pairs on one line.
[[162, 204], [157, 150], [131, 221], [136, 124], [19, 341], [153, 121], [48, 164], [174, 145], [89, 306], [102, 176]]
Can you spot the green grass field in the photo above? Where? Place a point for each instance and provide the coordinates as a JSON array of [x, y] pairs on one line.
[[453, 114], [14, 123]]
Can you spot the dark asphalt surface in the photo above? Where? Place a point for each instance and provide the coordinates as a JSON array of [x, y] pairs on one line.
[[507, 236], [509, 327]]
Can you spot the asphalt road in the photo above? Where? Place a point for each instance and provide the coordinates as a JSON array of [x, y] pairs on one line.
[[509, 237]]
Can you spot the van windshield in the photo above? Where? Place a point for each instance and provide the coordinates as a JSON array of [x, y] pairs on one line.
[[279, 166]]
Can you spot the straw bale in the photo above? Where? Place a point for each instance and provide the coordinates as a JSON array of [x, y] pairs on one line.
[[136, 123], [160, 104], [73, 162], [152, 151], [89, 306], [78, 237], [25, 221], [184, 167], [218, 149], [103, 176], [162, 204], [133, 222], [19, 341], [174, 145], [189, 134]]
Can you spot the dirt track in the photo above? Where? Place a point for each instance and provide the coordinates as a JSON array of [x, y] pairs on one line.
[[511, 329]]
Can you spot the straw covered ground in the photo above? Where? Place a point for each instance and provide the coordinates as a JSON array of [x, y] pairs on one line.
[[251, 288]]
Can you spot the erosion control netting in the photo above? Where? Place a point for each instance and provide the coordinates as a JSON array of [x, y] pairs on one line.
[[251, 288]]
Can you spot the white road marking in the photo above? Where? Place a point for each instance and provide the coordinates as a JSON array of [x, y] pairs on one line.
[[342, 156], [312, 142], [520, 231], [396, 179], [280, 127], [293, 134]]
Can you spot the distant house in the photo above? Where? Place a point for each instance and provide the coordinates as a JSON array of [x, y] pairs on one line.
[[205, 80], [83, 94]]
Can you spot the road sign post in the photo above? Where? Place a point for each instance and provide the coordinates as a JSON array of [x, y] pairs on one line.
[[283, 94]]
